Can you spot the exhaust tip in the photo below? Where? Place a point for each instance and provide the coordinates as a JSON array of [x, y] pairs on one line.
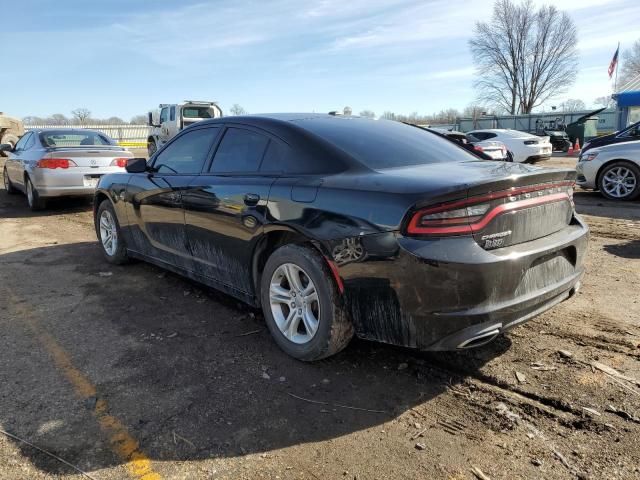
[[479, 340]]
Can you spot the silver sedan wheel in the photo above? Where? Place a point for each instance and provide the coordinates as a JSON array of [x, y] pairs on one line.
[[294, 303], [108, 233], [619, 182], [30, 194]]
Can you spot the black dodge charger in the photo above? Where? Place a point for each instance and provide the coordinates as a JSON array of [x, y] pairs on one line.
[[342, 225]]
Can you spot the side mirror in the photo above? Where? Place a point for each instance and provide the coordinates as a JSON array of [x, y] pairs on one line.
[[136, 165], [6, 147]]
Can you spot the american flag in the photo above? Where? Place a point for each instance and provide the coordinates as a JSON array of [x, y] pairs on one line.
[[614, 63]]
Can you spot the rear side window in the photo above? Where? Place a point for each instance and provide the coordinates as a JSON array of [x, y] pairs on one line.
[[187, 153], [23, 141], [172, 113], [382, 144], [239, 151]]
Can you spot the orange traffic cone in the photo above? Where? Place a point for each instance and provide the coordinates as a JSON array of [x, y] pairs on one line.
[[576, 147], [570, 150]]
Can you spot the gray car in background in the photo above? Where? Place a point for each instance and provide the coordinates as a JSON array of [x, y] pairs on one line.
[[613, 169], [60, 162]]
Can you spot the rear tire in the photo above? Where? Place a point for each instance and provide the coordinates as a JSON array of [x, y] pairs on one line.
[[34, 200], [8, 186], [509, 157], [290, 309], [109, 234], [626, 172]]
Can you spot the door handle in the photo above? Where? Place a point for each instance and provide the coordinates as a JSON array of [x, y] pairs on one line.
[[251, 199]]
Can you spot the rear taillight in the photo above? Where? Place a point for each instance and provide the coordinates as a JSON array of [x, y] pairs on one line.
[[465, 217], [55, 163], [119, 162], [478, 148]]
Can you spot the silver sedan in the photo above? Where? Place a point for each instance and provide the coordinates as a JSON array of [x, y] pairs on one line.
[[613, 169], [58, 163]]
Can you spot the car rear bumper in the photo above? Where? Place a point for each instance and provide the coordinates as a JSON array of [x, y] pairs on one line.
[[68, 182], [447, 294]]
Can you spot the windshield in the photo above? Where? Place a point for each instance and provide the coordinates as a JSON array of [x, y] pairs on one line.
[[196, 112], [74, 138], [384, 143]]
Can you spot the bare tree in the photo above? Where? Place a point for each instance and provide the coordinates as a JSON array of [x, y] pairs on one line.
[[602, 101], [630, 66], [139, 120], [237, 110], [573, 105], [57, 119], [524, 56], [81, 115], [367, 114]]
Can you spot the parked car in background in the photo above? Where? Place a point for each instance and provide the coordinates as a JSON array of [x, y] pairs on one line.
[[60, 162], [523, 147], [338, 224], [486, 149], [629, 134], [559, 140], [613, 169]]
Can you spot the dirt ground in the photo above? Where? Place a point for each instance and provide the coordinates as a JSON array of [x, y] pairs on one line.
[[132, 372]]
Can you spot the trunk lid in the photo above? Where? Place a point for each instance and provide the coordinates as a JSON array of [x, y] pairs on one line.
[[523, 207], [92, 157], [513, 203]]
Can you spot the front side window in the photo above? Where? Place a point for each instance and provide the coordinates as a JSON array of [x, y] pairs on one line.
[[187, 153], [239, 151], [164, 115]]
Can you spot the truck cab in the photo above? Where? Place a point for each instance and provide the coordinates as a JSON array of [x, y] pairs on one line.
[[170, 119]]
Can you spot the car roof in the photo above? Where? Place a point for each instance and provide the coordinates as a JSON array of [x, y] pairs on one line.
[[67, 129]]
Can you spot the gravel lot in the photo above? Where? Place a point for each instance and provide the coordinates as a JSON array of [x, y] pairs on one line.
[[132, 372]]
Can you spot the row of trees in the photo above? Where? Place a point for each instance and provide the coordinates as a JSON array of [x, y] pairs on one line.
[[82, 116]]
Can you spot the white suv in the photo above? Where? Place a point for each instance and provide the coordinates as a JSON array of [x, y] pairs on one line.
[[523, 147]]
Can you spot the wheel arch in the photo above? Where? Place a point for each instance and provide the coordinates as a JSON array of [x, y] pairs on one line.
[[275, 238]]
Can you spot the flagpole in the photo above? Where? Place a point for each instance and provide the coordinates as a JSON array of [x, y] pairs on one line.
[[615, 83]]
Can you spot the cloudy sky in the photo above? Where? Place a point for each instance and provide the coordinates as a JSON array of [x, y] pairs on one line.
[[123, 57]]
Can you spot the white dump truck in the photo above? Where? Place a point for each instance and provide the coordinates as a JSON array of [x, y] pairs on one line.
[[171, 118]]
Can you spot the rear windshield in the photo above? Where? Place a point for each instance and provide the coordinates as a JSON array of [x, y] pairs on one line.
[[74, 138], [196, 112], [382, 144]]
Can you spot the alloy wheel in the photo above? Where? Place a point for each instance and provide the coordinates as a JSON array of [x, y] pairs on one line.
[[294, 303], [108, 233], [619, 182]]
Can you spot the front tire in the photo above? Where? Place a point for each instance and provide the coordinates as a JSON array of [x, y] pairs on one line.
[[111, 241], [509, 157], [302, 305], [33, 197], [8, 186], [620, 181], [151, 148]]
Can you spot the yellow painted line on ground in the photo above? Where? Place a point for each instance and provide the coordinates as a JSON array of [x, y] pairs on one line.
[[133, 144], [122, 443]]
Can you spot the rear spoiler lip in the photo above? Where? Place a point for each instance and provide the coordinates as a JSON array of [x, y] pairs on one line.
[[86, 147]]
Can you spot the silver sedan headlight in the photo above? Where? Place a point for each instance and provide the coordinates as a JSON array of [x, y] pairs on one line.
[[587, 157]]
